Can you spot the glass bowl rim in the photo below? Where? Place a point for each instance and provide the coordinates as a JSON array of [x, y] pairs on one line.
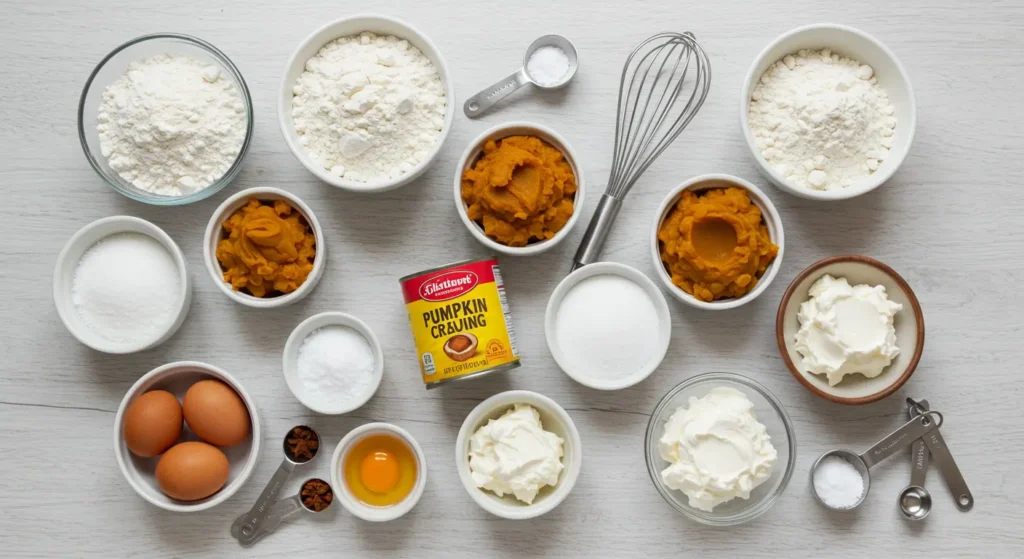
[[765, 503], [228, 175]]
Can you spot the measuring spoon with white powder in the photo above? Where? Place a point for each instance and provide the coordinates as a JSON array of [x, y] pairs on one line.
[[550, 63], [890, 445]]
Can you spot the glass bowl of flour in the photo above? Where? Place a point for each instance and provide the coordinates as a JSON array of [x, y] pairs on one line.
[[723, 442], [166, 119]]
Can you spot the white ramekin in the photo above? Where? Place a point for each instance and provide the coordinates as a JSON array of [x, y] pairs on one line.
[[354, 505], [176, 378], [64, 274], [346, 27], [554, 419], [768, 214], [215, 232], [473, 152], [291, 358], [854, 43], [597, 269]]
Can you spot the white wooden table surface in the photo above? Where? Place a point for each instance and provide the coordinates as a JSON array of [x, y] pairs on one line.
[[950, 222]]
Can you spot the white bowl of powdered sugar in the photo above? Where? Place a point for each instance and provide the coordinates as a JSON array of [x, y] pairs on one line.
[[828, 112], [121, 285], [366, 103]]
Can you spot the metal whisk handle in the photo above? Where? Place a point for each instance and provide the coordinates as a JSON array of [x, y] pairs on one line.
[[597, 232]]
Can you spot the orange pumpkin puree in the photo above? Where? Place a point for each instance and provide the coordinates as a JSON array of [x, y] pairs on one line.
[[521, 190], [715, 245], [268, 248]]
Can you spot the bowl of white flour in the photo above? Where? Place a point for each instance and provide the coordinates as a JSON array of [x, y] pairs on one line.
[[166, 119], [828, 112], [366, 103]]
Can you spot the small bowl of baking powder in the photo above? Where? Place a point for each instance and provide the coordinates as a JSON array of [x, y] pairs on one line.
[[333, 363], [828, 112], [366, 102], [166, 119]]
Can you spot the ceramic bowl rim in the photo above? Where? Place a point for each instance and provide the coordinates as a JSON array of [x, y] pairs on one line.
[[877, 179], [284, 117], [154, 232], [622, 270], [368, 512], [255, 433], [214, 232], [321, 320], [783, 344], [773, 220], [503, 401], [505, 130]]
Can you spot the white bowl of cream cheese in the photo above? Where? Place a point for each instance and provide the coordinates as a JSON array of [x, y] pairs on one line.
[[531, 432], [720, 449], [856, 356]]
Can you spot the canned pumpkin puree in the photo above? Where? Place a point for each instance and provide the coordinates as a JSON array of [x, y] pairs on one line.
[[460, 321]]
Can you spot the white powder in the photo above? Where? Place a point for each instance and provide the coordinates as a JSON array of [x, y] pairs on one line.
[[171, 125], [548, 65], [335, 367], [607, 327], [126, 288], [821, 120], [838, 483], [368, 107]]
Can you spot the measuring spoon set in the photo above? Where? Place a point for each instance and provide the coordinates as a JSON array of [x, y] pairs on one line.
[[921, 433]]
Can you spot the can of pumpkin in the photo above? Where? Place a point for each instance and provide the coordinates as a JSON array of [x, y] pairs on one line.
[[461, 321]]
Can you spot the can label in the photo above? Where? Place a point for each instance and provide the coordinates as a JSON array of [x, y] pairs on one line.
[[460, 320]]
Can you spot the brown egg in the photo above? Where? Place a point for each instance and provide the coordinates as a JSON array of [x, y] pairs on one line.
[[152, 423], [216, 413], [192, 470]]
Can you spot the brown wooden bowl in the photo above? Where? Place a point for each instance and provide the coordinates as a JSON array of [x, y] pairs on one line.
[[909, 323]]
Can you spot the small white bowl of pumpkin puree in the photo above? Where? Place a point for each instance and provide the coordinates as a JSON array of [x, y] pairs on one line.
[[519, 188], [717, 242]]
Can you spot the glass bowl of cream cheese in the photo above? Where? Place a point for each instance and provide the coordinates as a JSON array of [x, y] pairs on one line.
[[720, 449]]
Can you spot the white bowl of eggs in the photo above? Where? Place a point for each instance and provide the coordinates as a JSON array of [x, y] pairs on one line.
[[187, 436]]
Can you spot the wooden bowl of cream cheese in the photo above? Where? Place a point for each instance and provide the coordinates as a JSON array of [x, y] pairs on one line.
[[853, 389]]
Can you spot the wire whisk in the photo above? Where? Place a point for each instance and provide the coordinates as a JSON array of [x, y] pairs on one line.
[[664, 83]]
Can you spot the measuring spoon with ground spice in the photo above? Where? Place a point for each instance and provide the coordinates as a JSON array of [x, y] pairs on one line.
[[300, 446], [314, 496]]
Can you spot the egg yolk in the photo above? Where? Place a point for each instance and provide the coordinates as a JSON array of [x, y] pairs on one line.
[[379, 471]]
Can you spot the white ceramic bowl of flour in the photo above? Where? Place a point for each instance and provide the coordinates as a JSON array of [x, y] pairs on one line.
[[851, 43], [346, 27], [326, 402], [64, 282], [613, 342]]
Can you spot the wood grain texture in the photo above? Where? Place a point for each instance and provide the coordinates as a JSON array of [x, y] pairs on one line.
[[949, 222]]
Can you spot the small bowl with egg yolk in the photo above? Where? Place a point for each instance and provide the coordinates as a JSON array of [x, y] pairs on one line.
[[378, 472], [719, 257]]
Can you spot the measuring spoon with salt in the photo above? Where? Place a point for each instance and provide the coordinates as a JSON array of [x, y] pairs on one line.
[[285, 508], [299, 448], [915, 502], [483, 101], [899, 439]]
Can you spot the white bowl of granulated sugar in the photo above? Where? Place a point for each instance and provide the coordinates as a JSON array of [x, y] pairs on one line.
[[390, 101], [828, 112], [121, 285], [333, 363]]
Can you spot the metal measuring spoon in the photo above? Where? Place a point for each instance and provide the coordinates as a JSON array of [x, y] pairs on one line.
[[297, 451], [915, 502], [483, 101], [943, 459], [897, 440], [287, 507]]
